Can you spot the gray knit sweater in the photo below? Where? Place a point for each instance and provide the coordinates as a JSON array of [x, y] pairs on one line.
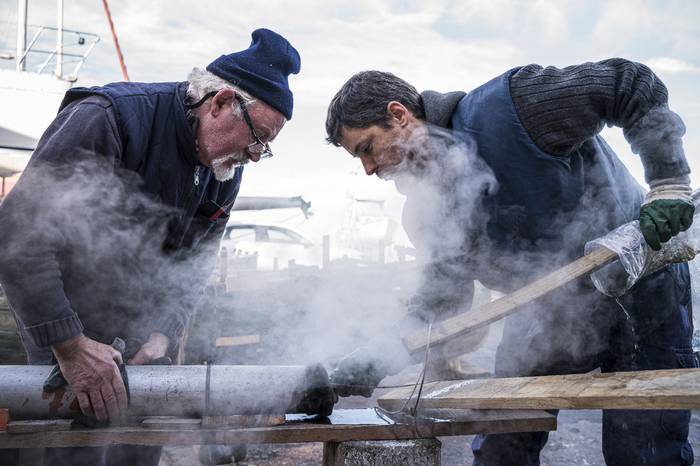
[[563, 107]]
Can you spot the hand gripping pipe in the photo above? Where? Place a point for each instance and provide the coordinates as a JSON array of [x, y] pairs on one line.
[[184, 391]]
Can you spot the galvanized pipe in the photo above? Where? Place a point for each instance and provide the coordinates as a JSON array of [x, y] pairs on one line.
[[187, 391]]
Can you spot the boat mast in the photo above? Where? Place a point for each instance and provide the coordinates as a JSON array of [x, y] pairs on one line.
[[21, 34], [59, 40]]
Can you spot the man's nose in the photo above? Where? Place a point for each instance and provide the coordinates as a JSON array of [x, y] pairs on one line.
[[254, 157], [369, 165]]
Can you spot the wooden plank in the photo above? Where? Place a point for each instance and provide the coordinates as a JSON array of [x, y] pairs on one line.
[[43, 425], [482, 316], [236, 420], [170, 422], [343, 425], [238, 341], [662, 389]]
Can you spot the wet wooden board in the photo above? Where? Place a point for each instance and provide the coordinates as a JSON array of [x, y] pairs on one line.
[[237, 341], [474, 319], [170, 422], [244, 420], [343, 425], [663, 389], [19, 427]]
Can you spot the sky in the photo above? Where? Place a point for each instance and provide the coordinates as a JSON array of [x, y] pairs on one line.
[[440, 45]]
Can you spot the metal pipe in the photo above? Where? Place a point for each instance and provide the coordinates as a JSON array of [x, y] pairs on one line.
[[270, 202], [21, 34], [82, 61], [185, 391], [22, 61]]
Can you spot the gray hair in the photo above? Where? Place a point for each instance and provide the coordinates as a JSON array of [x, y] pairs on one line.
[[363, 101], [202, 82]]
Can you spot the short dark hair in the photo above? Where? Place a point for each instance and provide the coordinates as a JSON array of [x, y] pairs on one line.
[[363, 100]]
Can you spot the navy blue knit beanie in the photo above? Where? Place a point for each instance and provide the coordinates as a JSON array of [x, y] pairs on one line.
[[262, 69]]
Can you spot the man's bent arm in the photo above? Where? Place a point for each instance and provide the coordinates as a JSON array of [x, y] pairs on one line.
[[176, 314], [32, 220], [446, 288], [562, 108]]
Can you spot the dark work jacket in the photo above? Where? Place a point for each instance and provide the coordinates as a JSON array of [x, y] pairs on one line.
[[545, 204], [115, 238], [542, 212], [158, 143]]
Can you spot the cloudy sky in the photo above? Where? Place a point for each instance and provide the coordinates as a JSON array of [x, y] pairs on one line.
[[441, 45]]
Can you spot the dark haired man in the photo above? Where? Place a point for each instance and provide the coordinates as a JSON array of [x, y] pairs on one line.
[[113, 227], [545, 183]]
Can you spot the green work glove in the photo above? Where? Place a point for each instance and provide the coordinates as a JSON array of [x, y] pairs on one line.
[[667, 210]]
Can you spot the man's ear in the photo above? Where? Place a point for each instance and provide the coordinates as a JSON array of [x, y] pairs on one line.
[[398, 113], [220, 100]]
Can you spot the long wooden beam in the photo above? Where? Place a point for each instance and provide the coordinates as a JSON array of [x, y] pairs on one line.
[[662, 389], [343, 425], [482, 316]]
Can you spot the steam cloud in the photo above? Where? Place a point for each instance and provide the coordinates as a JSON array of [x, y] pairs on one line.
[[115, 230]]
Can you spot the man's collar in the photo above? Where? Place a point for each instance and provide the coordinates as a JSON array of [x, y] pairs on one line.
[[439, 107]]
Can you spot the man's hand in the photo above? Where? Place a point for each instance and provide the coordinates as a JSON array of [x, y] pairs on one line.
[[156, 347], [667, 210], [90, 368], [356, 374]]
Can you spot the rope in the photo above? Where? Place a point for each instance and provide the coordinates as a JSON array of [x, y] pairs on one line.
[[122, 65]]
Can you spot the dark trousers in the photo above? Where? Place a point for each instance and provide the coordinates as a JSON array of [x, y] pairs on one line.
[[115, 455], [577, 330]]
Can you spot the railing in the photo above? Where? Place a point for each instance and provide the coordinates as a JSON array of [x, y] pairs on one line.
[[34, 48]]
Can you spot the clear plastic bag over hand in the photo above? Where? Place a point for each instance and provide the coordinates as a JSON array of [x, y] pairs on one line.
[[636, 259]]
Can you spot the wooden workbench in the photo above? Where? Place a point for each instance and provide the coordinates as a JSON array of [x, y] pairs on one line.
[[343, 425]]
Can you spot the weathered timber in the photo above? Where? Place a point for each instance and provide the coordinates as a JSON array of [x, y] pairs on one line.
[[474, 319], [341, 426], [45, 425], [244, 420], [237, 341], [170, 422], [662, 389]]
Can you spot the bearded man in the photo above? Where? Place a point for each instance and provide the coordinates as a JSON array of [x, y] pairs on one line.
[[112, 229]]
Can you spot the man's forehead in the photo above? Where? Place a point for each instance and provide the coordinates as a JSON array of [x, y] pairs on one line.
[[353, 138]]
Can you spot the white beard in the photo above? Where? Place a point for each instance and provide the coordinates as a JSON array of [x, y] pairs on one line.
[[225, 167]]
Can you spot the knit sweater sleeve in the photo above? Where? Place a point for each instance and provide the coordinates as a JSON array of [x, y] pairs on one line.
[[562, 108], [33, 222]]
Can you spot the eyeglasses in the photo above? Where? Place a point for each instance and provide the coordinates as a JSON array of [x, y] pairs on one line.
[[258, 147]]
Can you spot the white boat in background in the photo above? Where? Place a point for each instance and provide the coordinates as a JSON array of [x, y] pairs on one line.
[[34, 76]]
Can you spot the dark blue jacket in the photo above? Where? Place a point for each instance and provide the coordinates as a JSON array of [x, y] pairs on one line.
[[546, 205], [114, 255], [538, 215]]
